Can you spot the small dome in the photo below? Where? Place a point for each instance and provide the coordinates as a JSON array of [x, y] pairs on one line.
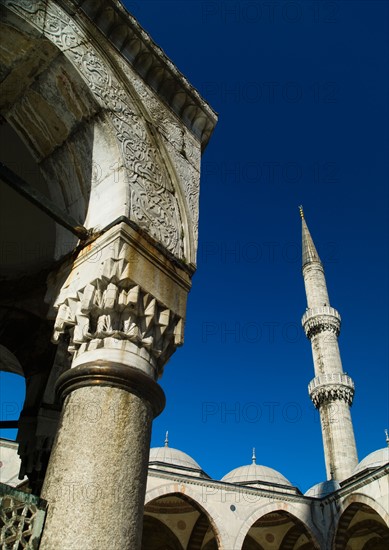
[[172, 457], [254, 474], [323, 489], [373, 460]]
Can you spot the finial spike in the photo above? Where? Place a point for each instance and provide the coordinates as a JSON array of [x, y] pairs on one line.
[[254, 458], [167, 439], [387, 437], [301, 211]]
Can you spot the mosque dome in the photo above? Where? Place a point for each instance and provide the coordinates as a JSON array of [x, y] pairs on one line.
[[323, 489], [254, 474], [174, 457], [373, 460], [173, 460]]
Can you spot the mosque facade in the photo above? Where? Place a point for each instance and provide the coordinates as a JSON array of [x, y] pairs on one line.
[[103, 138]]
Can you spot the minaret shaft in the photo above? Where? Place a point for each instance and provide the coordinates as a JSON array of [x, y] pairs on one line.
[[331, 390], [326, 355], [315, 285]]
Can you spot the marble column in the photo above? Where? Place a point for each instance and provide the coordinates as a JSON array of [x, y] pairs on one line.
[[124, 312]]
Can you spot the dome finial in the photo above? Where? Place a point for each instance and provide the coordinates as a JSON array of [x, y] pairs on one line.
[[301, 211], [387, 437], [254, 458], [167, 439]]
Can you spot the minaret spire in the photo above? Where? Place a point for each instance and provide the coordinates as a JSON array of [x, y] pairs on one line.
[[331, 390], [167, 439], [309, 250]]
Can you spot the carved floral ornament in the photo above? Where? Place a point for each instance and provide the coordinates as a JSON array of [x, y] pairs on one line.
[[154, 205]]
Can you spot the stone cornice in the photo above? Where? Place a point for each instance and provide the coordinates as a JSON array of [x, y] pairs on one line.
[[354, 483], [231, 487], [150, 62]]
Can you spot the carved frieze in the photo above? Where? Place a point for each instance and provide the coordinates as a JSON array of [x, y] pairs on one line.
[[183, 149]]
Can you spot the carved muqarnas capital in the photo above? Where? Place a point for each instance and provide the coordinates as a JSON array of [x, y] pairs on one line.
[[322, 319], [120, 315], [332, 392]]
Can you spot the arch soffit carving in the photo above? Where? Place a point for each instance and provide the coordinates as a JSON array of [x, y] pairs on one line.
[[186, 490], [262, 511], [149, 176]]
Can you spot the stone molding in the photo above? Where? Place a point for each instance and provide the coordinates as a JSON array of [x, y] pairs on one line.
[[320, 319], [331, 387], [104, 373], [268, 495]]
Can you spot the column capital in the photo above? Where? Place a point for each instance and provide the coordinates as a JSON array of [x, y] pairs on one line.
[[123, 302]]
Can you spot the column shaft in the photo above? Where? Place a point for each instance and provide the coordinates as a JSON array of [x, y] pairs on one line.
[[96, 479]]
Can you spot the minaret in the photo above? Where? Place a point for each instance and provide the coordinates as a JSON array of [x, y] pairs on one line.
[[331, 390]]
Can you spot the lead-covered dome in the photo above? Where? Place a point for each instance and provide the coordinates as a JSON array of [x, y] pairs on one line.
[[373, 460], [174, 457], [174, 460], [321, 490], [254, 474]]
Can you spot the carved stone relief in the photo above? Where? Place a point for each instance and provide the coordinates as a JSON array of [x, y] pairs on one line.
[[113, 312], [154, 206]]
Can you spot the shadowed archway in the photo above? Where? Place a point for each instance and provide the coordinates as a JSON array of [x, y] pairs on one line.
[[361, 528], [279, 530], [180, 519]]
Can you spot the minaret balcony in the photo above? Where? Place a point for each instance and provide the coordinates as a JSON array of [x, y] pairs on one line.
[[319, 319], [331, 387]]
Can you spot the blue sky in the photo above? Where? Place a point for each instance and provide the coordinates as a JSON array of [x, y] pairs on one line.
[[301, 89]]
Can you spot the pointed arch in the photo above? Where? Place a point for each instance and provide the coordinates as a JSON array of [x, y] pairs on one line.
[[361, 527], [195, 528], [201, 496], [295, 522]]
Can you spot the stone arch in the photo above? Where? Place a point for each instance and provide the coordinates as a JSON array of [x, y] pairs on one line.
[[362, 524], [282, 513], [145, 188], [206, 510], [47, 109]]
